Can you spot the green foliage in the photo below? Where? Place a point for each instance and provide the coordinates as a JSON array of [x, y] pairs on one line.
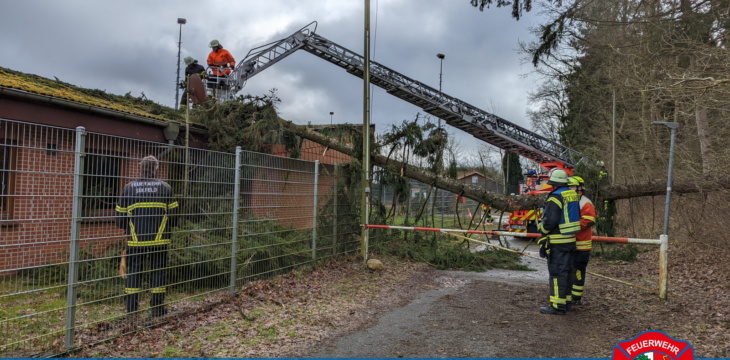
[[200, 254], [518, 6], [96, 269], [250, 122], [347, 220], [606, 221], [447, 255], [274, 249], [595, 184], [512, 167]]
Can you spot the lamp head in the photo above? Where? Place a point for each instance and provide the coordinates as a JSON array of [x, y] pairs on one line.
[[671, 125], [181, 21], [440, 56]]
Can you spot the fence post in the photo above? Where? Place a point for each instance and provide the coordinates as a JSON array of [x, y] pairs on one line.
[[234, 236], [663, 265], [334, 213], [74, 238], [314, 212]]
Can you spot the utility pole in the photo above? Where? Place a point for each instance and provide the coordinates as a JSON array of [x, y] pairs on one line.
[[366, 137]]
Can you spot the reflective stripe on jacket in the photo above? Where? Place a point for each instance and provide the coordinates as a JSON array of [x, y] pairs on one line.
[[561, 217], [587, 220], [143, 211]]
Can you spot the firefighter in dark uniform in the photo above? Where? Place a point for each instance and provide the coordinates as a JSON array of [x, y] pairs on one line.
[[583, 242], [560, 223], [143, 211]]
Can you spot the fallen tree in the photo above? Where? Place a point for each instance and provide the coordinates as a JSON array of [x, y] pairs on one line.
[[497, 201], [504, 202]]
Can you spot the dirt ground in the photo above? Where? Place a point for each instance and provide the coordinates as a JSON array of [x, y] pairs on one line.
[[413, 310]]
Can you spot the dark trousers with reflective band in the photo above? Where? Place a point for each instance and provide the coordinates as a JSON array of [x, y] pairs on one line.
[[155, 259], [580, 263], [560, 263]]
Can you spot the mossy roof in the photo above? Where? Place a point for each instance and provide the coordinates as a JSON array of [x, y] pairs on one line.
[[98, 98]]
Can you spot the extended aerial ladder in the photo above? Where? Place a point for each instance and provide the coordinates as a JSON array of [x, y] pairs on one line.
[[479, 123]]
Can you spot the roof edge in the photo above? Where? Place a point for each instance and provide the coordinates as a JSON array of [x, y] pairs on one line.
[[86, 107]]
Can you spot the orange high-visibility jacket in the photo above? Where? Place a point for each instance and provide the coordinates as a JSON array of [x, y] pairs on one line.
[[587, 220], [220, 58]]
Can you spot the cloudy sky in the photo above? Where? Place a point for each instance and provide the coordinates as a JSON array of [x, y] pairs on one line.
[[132, 45]]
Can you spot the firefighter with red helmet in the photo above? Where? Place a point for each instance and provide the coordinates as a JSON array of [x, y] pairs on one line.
[[583, 243], [560, 223]]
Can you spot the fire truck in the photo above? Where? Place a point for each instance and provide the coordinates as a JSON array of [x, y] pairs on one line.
[[481, 124], [526, 220]]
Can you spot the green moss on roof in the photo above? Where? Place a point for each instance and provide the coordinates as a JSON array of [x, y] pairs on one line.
[[94, 97]]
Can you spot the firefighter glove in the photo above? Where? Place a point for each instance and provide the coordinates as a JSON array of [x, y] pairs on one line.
[[544, 243]]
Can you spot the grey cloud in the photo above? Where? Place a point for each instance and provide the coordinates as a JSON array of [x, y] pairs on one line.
[[131, 46]]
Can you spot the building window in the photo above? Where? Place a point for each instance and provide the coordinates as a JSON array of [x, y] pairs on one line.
[[101, 184], [475, 179], [7, 180]]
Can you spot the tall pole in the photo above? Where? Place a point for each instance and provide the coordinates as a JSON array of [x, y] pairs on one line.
[[366, 136], [664, 247], [331, 113], [434, 199], [182, 22], [673, 127], [613, 140], [441, 72]]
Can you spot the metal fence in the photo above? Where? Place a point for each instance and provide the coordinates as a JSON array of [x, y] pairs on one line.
[[437, 207], [241, 216]]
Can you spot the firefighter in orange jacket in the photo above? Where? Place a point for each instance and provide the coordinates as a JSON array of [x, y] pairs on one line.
[[220, 60], [583, 243], [143, 211]]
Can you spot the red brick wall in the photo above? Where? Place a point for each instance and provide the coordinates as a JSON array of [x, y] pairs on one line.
[[39, 232], [287, 196]]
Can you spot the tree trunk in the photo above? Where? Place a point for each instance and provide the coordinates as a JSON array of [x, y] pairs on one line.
[[703, 134], [510, 203]]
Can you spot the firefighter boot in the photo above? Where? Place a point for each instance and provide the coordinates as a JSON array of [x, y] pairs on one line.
[[550, 310], [159, 311]]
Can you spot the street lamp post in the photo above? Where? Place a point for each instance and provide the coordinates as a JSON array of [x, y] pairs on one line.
[[331, 113], [441, 73], [182, 22], [435, 189]]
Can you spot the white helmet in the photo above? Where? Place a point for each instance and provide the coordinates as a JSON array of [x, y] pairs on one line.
[[558, 177]]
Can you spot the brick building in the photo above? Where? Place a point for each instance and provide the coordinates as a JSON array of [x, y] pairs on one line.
[[38, 121]]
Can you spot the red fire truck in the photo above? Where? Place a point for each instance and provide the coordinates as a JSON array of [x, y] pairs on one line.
[[534, 184]]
